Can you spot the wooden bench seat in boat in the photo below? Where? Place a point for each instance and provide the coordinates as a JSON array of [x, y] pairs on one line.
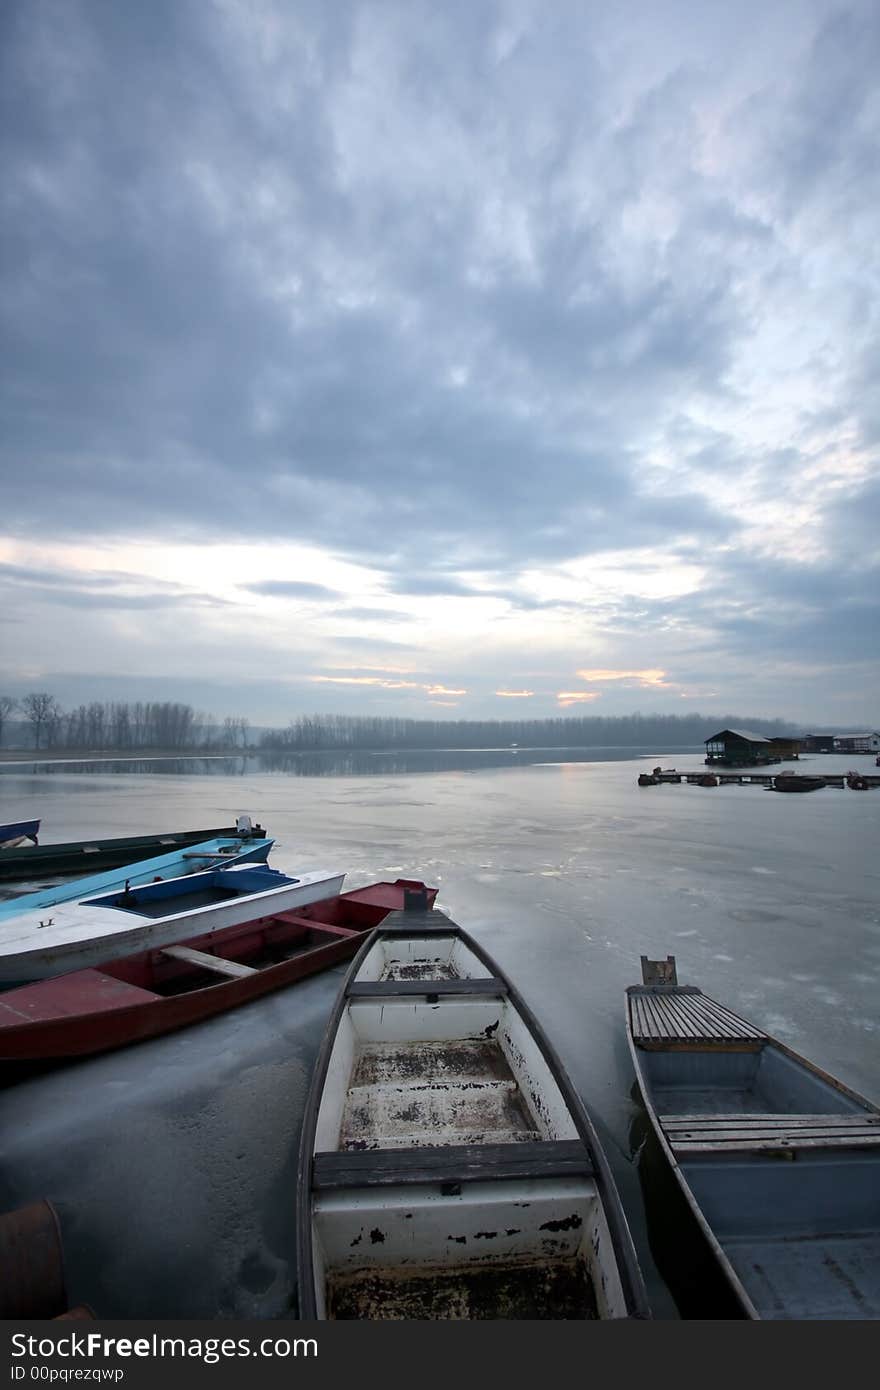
[[407, 989], [205, 961], [743, 1133], [453, 1163]]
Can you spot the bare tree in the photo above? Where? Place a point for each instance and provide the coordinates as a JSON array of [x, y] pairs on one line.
[[40, 709], [7, 705]]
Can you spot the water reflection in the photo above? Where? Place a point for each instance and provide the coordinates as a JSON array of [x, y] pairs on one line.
[[156, 767], [335, 763]]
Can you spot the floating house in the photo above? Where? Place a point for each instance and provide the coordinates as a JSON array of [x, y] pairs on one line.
[[818, 743], [785, 748], [741, 748], [857, 743]]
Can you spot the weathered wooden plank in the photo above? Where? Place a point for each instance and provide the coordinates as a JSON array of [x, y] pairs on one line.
[[753, 1119], [731, 1136], [453, 1163], [208, 962], [866, 1139], [408, 989], [743, 1133], [685, 1015]]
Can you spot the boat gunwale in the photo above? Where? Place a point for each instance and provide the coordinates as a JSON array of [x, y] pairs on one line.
[[632, 1282]]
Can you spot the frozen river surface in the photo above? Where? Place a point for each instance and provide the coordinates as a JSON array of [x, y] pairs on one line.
[[173, 1163]]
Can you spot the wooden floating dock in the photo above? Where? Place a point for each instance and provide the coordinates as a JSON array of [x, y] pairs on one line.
[[748, 779]]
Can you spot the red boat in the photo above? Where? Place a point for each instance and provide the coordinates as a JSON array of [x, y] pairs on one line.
[[153, 992]]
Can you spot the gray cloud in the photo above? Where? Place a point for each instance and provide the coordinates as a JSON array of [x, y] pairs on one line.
[[156, 369], [291, 588], [76, 589], [445, 289], [368, 615]]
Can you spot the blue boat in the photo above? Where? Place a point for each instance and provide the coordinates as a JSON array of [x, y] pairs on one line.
[[216, 853], [778, 1161], [16, 831]]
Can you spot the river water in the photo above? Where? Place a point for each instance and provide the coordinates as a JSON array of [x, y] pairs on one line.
[[173, 1163]]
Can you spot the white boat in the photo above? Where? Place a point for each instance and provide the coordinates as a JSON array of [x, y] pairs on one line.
[[75, 935], [447, 1167], [778, 1161]]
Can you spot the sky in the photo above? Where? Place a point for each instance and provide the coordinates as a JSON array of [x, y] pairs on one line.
[[461, 360]]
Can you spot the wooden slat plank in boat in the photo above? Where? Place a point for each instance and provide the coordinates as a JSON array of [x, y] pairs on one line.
[[453, 1163], [408, 989], [683, 1015], [750, 1120], [208, 962], [796, 1132], [831, 1139], [728, 1134], [701, 1017], [649, 1022]]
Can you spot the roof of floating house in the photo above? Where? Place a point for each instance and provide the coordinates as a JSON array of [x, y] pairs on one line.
[[738, 733]]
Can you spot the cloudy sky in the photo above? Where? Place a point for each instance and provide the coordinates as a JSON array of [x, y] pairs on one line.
[[445, 360]]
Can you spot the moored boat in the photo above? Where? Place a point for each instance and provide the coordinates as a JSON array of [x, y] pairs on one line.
[[447, 1167], [797, 782], [779, 1162], [15, 833], [153, 992], [88, 856], [240, 849], [71, 936]]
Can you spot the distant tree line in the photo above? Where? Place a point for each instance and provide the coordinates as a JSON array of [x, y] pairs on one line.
[[169, 725], [339, 731], [118, 725]]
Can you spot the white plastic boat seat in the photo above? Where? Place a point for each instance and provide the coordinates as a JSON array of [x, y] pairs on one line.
[[685, 1015], [703, 1134], [400, 989], [209, 962], [454, 1163]]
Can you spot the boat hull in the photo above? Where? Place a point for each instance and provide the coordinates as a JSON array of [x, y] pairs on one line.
[[85, 934], [796, 1239], [447, 1167], [91, 1011], [797, 783], [88, 856], [16, 833], [206, 855]]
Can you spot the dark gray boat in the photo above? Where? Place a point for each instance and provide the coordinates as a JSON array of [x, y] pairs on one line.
[[779, 1162]]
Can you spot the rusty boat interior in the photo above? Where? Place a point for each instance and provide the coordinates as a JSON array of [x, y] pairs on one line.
[[447, 1171]]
